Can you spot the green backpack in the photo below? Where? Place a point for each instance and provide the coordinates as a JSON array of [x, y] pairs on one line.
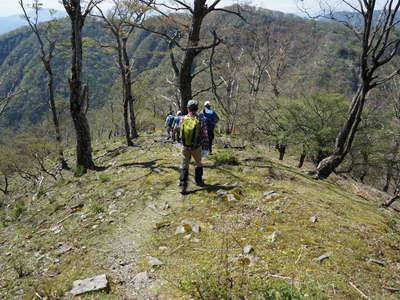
[[190, 132]]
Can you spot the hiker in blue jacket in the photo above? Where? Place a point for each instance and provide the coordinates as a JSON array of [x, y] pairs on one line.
[[169, 122], [212, 119]]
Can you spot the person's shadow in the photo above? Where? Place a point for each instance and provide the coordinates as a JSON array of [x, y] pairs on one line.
[[210, 188]]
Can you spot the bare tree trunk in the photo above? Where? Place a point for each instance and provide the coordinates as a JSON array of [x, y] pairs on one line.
[[126, 122], [282, 150], [78, 93], [56, 122], [128, 90], [389, 175], [302, 158], [5, 189], [345, 137]]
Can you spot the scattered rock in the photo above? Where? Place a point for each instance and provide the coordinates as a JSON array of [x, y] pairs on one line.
[[96, 283], [375, 261], [225, 196], [140, 280], [180, 229], [56, 229], [314, 219], [162, 248], [271, 238], [63, 248], [323, 257], [119, 192], [248, 249], [187, 237], [188, 226], [7, 254], [271, 196], [159, 171], [300, 191], [95, 226], [195, 240], [154, 261]]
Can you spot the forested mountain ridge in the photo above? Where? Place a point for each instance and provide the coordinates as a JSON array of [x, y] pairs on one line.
[[20, 65]]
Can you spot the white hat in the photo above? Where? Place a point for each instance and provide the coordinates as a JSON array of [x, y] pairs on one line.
[[207, 103]]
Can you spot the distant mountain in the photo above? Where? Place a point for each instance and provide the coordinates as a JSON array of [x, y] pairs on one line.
[[20, 65], [10, 23]]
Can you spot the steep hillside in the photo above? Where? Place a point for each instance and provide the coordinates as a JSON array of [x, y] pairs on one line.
[[266, 230]]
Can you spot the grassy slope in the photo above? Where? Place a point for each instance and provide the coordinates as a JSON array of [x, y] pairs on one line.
[[114, 232]]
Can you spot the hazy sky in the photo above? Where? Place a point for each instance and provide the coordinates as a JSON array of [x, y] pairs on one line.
[[11, 7]]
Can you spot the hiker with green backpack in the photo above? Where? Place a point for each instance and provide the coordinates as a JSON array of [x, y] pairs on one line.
[[194, 138]]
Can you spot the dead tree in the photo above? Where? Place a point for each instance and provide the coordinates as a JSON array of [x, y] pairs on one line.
[[47, 47], [379, 45], [78, 91], [229, 95], [187, 38]]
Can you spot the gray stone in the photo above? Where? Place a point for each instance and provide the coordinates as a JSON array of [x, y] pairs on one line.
[[140, 280], [191, 226], [180, 229], [375, 261], [314, 219], [63, 248], [162, 248], [195, 240], [154, 261], [96, 283], [271, 196], [271, 238], [119, 192], [323, 257], [247, 249]]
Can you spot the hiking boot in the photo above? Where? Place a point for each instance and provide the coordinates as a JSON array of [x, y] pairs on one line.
[[184, 177], [198, 176]]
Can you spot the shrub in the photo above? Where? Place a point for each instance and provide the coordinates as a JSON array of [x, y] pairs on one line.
[[225, 157], [96, 208], [104, 178], [18, 209]]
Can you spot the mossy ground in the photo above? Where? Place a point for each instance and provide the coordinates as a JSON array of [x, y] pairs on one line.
[[115, 230]]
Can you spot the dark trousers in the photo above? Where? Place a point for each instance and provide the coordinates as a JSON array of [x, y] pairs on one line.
[[210, 138]]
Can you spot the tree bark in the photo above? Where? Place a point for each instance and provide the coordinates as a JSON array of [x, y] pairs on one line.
[[56, 123], [302, 158], [282, 150], [128, 90], [78, 93], [345, 137], [125, 85]]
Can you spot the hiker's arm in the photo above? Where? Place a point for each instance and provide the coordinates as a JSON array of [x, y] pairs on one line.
[[216, 117]]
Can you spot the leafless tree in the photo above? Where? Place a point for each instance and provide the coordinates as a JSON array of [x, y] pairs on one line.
[[78, 91], [379, 45], [47, 42], [121, 21], [186, 38]]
